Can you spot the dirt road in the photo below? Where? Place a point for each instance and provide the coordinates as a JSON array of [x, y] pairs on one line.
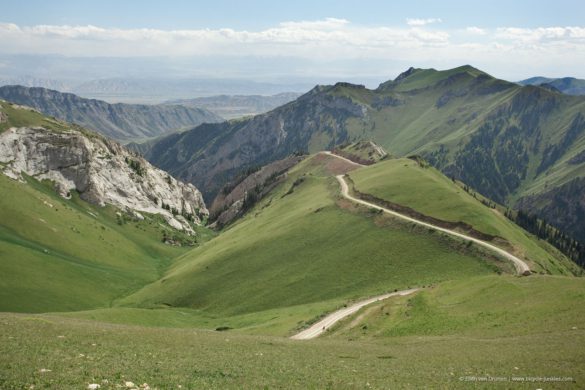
[[321, 326], [327, 322], [520, 265]]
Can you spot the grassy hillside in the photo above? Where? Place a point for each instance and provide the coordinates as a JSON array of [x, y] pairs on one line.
[[283, 253], [426, 190], [59, 255], [301, 252], [488, 307]]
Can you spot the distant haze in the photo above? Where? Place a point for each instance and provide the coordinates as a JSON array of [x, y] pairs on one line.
[[272, 48]]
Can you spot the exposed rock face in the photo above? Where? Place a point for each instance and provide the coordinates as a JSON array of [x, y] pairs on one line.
[[102, 171], [234, 197], [362, 152]]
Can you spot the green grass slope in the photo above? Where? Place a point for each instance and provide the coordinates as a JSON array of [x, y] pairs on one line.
[[303, 244], [60, 255], [525, 333], [487, 307], [16, 117], [426, 190]]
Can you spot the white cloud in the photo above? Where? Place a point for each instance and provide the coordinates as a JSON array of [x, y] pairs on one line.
[[306, 38], [422, 22], [326, 24], [476, 30], [542, 34], [320, 43]]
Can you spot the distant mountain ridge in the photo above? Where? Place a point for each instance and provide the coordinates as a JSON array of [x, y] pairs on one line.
[[119, 121], [506, 141], [234, 106], [154, 89], [568, 85]]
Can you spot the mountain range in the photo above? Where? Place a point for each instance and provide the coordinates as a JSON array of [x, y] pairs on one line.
[[568, 85], [522, 146], [103, 255], [120, 121], [152, 89]]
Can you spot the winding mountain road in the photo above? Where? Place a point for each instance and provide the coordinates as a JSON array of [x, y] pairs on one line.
[[327, 322], [520, 265]]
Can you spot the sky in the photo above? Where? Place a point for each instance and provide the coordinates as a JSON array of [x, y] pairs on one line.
[[294, 40]]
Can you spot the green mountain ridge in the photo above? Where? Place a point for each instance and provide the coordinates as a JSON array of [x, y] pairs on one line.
[[568, 85], [506, 141]]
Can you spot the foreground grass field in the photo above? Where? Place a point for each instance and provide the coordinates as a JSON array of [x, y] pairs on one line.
[[426, 190], [500, 327]]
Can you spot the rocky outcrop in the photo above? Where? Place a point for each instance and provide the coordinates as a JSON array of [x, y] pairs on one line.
[[362, 152], [101, 171]]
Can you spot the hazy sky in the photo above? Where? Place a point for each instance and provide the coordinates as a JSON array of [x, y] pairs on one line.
[[312, 39]]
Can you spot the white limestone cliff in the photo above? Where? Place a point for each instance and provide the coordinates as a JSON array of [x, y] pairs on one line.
[[102, 171]]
